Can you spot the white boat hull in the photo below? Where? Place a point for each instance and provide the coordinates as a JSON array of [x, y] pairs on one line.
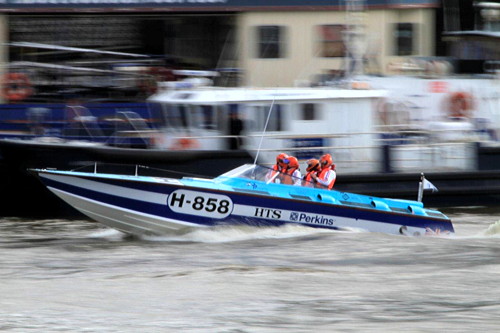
[[150, 205], [123, 219]]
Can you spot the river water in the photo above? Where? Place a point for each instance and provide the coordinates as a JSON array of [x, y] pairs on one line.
[[76, 276]]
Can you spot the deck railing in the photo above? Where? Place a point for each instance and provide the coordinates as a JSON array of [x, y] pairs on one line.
[[414, 151]]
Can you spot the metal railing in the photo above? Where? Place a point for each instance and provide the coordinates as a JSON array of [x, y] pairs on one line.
[[365, 152]]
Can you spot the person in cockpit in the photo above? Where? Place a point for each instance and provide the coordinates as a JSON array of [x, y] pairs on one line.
[[280, 167], [312, 168], [326, 176], [292, 175]]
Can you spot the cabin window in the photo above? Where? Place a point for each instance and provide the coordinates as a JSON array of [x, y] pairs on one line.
[[270, 41], [308, 111], [275, 118], [404, 39], [330, 43], [204, 117], [176, 116]]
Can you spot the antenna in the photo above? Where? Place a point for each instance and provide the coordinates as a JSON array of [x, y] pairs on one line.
[[264, 131], [421, 188]]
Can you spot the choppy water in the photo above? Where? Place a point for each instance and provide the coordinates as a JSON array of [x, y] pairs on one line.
[[76, 276]]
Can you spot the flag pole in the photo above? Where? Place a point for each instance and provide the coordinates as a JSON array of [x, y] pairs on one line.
[[421, 187]]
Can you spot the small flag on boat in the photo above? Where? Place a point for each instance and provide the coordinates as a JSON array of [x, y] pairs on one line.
[[425, 185], [429, 186]]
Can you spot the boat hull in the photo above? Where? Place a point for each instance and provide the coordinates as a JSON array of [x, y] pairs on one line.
[[126, 220], [149, 205]]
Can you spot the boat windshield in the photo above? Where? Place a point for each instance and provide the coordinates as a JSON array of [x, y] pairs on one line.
[[262, 173], [247, 171]]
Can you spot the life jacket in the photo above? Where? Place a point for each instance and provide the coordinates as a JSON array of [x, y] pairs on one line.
[[287, 176], [276, 173], [322, 174], [308, 179]]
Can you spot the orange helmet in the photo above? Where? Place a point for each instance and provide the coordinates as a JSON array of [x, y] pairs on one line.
[[293, 163], [326, 160], [312, 164], [282, 160]]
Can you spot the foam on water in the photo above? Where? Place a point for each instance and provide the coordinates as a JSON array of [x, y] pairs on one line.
[[223, 234], [108, 233], [235, 233], [493, 230], [473, 230]]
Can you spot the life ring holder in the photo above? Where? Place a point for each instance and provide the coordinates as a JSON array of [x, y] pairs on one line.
[[460, 104], [185, 144], [16, 87]]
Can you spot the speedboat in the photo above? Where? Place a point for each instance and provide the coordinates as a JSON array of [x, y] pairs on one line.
[[246, 195]]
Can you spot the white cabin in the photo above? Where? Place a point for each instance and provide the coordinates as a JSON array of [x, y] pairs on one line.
[[304, 122], [414, 116]]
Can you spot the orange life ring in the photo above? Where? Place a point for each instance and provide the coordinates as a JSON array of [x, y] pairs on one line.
[[16, 87], [460, 104], [185, 144]]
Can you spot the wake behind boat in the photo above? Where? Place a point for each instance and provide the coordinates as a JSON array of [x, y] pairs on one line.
[[145, 205]]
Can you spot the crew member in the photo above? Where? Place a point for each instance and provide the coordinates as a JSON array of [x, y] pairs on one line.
[[326, 176], [236, 126], [312, 168], [292, 175], [280, 167]]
